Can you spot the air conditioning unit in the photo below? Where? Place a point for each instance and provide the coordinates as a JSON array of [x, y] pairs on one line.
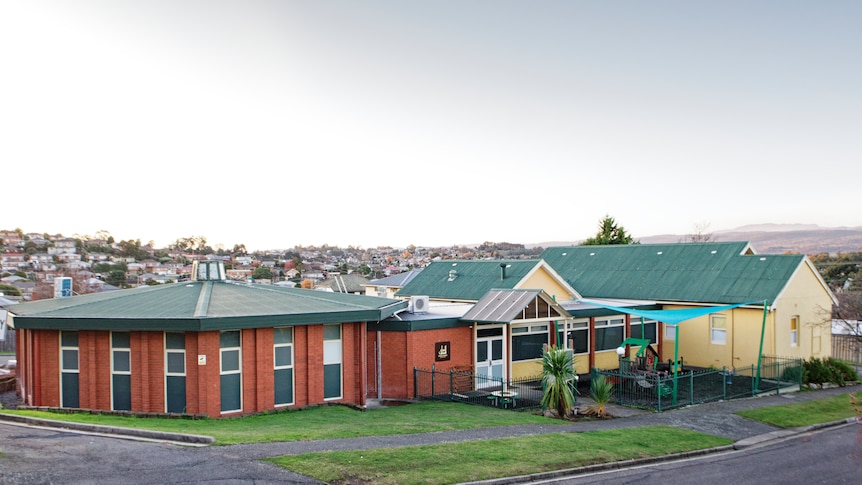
[[418, 304]]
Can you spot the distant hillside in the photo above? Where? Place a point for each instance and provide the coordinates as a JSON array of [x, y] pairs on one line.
[[771, 238]]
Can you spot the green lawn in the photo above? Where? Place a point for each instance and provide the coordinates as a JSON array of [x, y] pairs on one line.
[[804, 413], [317, 423], [482, 460]]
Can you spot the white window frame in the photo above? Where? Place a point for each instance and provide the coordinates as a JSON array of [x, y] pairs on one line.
[[168, 373], [64, 370], [114, 371], [577, 326], [222, 372], [610, 322], [532, 329], [670, 331], [794, 331], [275, 347], [718, 335], [333, 353]]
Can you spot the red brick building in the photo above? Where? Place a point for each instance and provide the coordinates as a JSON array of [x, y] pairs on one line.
[[207, 347]]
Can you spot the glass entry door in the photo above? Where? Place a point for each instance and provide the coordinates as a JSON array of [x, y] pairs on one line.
[[489, 356]]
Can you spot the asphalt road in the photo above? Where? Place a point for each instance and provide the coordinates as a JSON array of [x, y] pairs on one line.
[[44, 456], [832, 455]]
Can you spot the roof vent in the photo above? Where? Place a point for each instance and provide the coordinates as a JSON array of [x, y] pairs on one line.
[[452, 274], [208, 271]]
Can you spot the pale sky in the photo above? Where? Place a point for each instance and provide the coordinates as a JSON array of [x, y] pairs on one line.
[[276, 123]]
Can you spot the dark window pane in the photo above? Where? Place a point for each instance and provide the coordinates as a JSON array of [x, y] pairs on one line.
[[120, 340], [175, 341], [609, 338], [580, 341], [481, 351], [122, 361], [282, 356], [331, 381], [229, 339], [176, 394], [284, 386], [176, 363], [70, 359], [69, 339], [121, 386], [331, 332], [230, 392], [489, 332], [282, 335], [70, 390], [497, 349], [229, 360], [528, 347]]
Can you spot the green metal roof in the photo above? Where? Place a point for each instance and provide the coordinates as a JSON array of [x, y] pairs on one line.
[[467, 280], [202, 305], [724, 272]]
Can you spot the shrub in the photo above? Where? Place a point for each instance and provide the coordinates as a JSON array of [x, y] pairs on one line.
[[601, 391], [821, 371]]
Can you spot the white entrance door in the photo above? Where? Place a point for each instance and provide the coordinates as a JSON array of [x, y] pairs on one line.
[[489, 356]]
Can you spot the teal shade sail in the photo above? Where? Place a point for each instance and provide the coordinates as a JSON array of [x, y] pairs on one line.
[[671, 317]]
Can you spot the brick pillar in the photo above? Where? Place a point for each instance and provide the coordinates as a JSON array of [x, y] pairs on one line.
[[314, 363], [300, 365], [264, 370]]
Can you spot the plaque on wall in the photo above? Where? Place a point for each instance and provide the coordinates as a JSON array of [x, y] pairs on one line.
[[441, 351]]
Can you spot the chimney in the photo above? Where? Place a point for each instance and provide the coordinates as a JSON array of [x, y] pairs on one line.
[[502, 271]]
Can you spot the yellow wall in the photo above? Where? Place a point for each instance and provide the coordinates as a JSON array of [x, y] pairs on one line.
[[542, 280], [740, 349], [805, 297], [530, 368], [582, 363], [534, 368], [607, 359]]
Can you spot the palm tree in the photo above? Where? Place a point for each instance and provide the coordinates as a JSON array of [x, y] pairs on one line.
[[558, 372]]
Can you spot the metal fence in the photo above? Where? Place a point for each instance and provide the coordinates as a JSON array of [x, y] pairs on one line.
[[660, 391], [463, 386], [8, 345], [847, 348]]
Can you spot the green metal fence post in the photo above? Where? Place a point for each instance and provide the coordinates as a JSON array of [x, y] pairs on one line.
[[762, 338], [690, 387], [620, 382], [433, 375], [778, 376]]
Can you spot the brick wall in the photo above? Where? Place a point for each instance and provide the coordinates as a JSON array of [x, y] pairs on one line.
[[402, 351], [202, 381]]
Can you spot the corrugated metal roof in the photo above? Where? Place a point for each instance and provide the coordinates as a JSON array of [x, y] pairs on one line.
[[203, 305], [467, 280], [502, 306], [399, 279], [724, 272]]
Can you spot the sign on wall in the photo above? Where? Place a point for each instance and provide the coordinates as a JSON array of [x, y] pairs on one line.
[[441, 351]]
